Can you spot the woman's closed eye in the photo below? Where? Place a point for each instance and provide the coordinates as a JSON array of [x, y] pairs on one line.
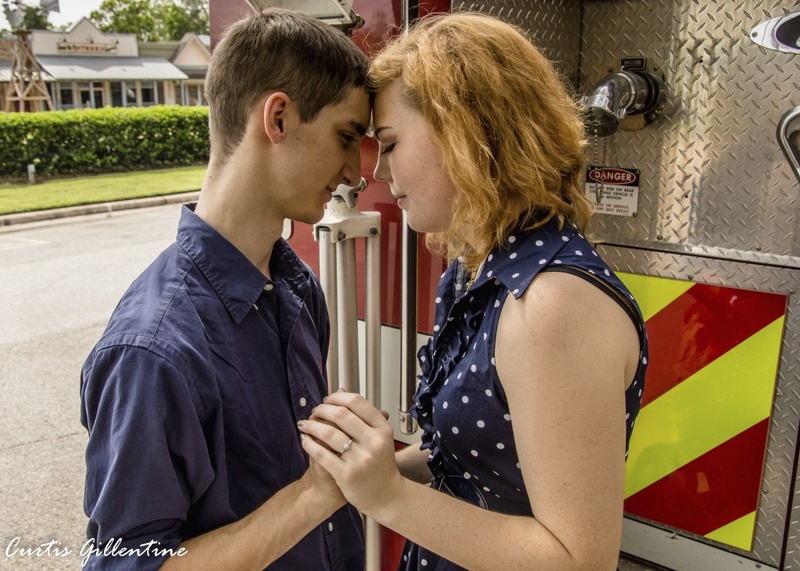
[[388, 149]]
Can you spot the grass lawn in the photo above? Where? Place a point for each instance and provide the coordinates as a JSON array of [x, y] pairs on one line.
[[61, 192]]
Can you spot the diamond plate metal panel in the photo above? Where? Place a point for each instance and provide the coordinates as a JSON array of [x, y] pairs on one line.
[[712, 172], [554, 26]]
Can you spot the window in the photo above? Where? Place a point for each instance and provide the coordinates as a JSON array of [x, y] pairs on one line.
[[130, 94], [149, 93], [84, 94], [65, 98], [195, 95], [116, 93], [98, 96]]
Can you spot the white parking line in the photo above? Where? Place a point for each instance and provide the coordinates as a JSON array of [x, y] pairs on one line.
[[13, 243]]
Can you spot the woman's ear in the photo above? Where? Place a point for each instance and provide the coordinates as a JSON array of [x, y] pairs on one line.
[[275, 110]]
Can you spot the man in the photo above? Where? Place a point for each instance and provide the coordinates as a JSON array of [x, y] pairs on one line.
[[192, 395]]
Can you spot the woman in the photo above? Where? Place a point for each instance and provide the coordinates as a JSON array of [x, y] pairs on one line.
[[534, 375]]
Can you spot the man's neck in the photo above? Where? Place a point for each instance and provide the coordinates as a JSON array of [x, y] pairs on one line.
[[230, 203]]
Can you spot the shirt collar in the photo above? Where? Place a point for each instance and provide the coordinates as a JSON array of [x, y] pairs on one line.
[[516, 262], [236, 281]]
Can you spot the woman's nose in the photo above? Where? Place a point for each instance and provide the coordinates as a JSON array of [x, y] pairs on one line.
[[381, 170]]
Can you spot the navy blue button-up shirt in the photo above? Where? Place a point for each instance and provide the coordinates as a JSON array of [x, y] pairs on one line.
[[191, 399]]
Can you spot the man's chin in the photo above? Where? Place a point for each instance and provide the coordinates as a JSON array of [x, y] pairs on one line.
[[310, 218]]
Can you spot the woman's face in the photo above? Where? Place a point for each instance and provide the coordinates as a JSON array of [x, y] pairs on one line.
[[411, 163]]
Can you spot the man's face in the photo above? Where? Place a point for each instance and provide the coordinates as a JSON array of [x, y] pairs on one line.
[[324, 154]]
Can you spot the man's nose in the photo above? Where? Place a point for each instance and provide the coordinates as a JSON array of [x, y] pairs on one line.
[[351, 172]]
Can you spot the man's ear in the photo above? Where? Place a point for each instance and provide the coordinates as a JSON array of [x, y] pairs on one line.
[[276, 111]]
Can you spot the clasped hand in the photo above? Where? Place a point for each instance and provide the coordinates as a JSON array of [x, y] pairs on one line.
[[352, 441]]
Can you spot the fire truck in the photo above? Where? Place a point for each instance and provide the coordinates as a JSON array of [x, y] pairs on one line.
[[694, 170]]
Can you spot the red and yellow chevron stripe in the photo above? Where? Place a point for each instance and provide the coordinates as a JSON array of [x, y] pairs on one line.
[[697, 453]]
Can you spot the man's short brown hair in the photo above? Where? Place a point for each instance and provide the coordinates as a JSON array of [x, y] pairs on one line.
[[271, 51]]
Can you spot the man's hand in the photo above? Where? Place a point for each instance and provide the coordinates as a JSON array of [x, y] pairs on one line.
[[324, 484]]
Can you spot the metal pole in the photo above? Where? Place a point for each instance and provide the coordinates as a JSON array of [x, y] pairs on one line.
[[373, 368], [327, 271], [373, 318], [408, 304], [404, 17], [348, 319], [408, 329]]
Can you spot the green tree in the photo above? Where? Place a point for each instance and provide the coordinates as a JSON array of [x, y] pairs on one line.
[[127, 17], [177, 19], [34, 18], [152, 20]]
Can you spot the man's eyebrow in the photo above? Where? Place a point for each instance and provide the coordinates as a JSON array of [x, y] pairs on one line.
[[357, 127]]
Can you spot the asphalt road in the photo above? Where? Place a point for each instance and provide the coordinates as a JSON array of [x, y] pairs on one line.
[[59, 282]]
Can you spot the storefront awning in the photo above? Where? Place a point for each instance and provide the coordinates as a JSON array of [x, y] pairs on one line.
[[99, 68]]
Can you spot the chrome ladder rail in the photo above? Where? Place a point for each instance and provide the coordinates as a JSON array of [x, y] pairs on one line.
[[336, 233]]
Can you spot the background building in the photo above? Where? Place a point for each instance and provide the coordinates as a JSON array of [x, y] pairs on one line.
[[86, 68], [190, 55]]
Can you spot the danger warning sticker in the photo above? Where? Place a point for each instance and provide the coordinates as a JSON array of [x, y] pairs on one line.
[[612, 190]]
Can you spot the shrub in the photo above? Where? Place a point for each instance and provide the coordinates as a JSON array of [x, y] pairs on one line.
[[111, 139]]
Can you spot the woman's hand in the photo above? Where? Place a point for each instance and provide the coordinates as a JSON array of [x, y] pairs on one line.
[[354, 443]]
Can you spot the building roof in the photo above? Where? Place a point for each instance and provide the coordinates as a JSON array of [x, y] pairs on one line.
[[90, 68], [172, 49], [165, 49], [194, 71]]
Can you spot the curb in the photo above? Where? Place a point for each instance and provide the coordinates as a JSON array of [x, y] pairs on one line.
[[98, 208]]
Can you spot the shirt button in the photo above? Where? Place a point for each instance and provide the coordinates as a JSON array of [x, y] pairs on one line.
[[330, 526], [268, 287], [303, 401]]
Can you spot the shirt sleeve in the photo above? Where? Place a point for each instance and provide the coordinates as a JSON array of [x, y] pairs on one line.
[[147, 460]]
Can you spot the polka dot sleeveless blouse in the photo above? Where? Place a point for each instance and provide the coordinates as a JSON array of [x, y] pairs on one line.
[[460, 403]]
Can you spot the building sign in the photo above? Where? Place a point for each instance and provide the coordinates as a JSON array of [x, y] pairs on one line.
[[86, 48], [613, 190]]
